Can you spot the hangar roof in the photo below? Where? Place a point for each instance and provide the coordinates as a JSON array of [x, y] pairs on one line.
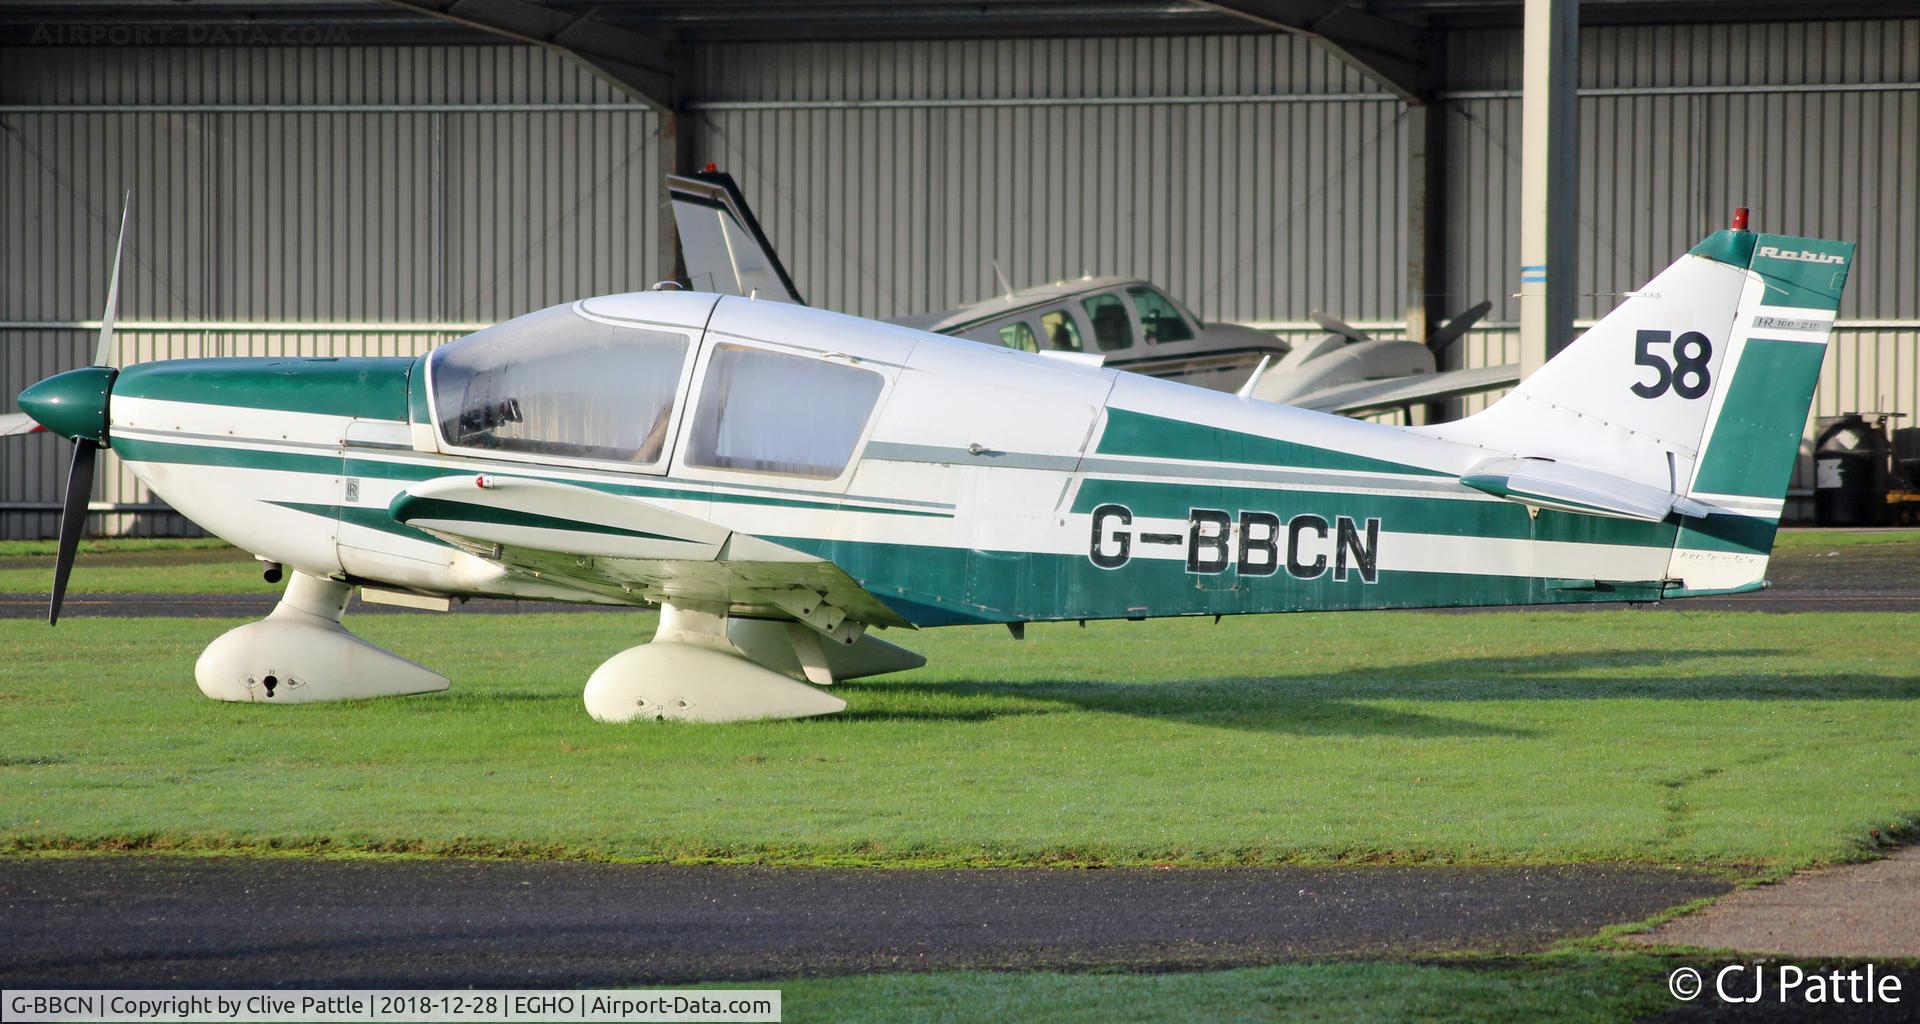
[[638, 44], [377, 21]]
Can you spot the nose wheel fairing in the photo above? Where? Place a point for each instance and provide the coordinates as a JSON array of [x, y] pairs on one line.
[[301, 654]]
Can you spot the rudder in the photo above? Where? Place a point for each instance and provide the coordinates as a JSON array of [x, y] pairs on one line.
[[1754, 428]]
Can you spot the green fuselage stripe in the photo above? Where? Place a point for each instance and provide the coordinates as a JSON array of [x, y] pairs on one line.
[[353, 515], [953, 586], [410, 509], [1458, 517], [143, 450], [363, 388], [1141, 434]]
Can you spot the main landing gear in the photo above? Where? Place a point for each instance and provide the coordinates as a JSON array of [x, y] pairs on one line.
[[704, 666]]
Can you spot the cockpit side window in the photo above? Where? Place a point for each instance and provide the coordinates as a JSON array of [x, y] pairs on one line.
[[1112, 330], [1017, 335], [1062, 334], [1159, 318], [557, 383], [775, 412]]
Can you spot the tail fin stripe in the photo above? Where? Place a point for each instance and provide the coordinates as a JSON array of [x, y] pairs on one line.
[[1756, 437]]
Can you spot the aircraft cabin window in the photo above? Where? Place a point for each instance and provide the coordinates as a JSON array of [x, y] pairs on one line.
[[556, 383], [1062, 333], [772, 412], [1111, 328], [1158, 317], [1019, 335]]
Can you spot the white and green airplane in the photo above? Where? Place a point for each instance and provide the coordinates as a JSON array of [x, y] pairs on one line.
[[784, 481]]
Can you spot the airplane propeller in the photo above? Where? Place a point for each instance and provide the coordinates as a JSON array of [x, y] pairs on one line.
[[1331, 325], [75, 404], [1454, 329]]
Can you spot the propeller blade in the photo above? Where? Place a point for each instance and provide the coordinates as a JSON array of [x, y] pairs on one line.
[[105, 348], [73, 520], [73, 513], [1340, 327], [18, 423], [1454, 329]]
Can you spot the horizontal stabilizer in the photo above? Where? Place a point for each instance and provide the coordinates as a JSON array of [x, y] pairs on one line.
[[1544, 483]]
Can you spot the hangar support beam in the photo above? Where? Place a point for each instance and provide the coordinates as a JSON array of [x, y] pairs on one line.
[[644, 67], [1430, 301], [640, 66], [1392, 52], [1549, 178]]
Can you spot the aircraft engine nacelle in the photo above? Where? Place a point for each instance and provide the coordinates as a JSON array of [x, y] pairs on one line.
[[1367, 360]]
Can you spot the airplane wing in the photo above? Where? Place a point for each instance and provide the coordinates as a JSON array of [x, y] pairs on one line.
[[18, 423], [634, 551], [1360, 397], [721, 243]]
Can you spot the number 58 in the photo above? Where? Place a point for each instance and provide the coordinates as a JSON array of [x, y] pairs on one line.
[[1687, 375]]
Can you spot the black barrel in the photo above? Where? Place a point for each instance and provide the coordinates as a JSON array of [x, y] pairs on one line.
[[1850, 467]]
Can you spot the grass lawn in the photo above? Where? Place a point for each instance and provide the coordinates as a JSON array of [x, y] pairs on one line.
[[1763, 741], [1751, 741], [134, 565], [118, 546], [1585, 988], [1804, 539]]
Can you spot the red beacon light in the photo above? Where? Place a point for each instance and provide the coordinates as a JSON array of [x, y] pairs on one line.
[[712, 168], [1739, 218]]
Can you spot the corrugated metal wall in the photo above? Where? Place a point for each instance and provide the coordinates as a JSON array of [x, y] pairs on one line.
[[1166, 158], [1253, 176], [459, 186], [1815, 127]]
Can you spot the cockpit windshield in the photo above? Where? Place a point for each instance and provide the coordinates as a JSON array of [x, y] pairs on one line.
[[556, 382]]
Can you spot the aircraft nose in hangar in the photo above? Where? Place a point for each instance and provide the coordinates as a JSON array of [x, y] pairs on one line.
[[72, 404]]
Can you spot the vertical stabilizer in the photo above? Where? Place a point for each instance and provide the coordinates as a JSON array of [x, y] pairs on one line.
[[721, 243], [1699, 385]]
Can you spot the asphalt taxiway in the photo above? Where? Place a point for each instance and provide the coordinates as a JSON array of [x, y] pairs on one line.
[[158, 921]]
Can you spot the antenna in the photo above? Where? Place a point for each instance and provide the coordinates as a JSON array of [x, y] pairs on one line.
[[1004, 286], [1246, 390]]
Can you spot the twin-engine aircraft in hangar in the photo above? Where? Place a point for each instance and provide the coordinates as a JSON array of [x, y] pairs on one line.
[[785, 482], [1121, 322]]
